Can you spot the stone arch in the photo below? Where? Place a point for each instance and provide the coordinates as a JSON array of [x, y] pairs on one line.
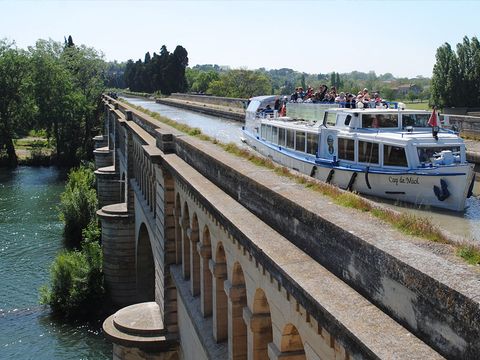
[[220, 300], [178, 230], [261, 326], [186, 242], [205, 250], [145, 267], [292, 344], [194, 258], [237, 345]]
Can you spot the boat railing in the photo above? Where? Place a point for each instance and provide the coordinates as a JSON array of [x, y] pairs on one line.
[[366, 105]]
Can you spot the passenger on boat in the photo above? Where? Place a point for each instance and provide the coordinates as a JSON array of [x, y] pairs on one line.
[[320, 94], [350, 103], [309, 93], [301, 93], [359, 102], [366, 95], [277, 104], [340, 98], [294, 96], [268, 110]]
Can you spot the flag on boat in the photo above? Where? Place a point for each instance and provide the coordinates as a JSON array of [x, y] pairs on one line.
[[432, 121]]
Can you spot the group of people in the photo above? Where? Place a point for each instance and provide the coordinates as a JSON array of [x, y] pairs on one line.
[[348, 100]]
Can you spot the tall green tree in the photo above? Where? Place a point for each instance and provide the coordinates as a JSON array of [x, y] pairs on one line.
[[68, 86], [16, 107], [241, 83]]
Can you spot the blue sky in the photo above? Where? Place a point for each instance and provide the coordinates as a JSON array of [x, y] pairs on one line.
[[400, 37]]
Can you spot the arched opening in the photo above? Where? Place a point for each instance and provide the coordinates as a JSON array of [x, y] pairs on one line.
[[178, 230], [206, 275], [237, 328], [195, 258], [220, 304], [292, 343], [261, 326], [186, 242], [145, 267]]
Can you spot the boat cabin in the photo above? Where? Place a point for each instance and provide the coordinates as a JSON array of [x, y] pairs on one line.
[[383, 138]]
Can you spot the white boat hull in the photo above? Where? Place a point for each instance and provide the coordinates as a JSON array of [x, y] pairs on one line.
[[413, 186]]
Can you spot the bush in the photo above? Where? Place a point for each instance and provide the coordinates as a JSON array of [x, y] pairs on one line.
[[78, 204], [77, 286]]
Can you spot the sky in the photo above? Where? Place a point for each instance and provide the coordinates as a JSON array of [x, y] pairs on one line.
[[400, 37]]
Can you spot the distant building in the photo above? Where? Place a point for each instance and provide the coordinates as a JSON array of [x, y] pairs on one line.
[[403, 90]]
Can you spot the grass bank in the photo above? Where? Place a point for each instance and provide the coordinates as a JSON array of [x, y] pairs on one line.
[[405, 223]]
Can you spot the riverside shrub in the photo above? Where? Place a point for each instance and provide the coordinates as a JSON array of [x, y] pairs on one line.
[[77, 286], [78, 204]]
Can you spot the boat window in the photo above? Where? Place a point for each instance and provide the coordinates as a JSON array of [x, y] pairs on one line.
[[379, 120], [300, 141], [415, 120], [368, 152], [263, 131], [348, 119], [281, 136], [426, 154], [394, 156], [269, 133], [330, 119], [346, 149], [274, 134], [312, 143], [290, 138]]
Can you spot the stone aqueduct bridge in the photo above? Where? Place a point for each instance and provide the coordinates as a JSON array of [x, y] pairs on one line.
[[213, 257]]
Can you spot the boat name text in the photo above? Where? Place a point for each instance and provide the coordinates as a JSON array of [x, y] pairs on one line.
[[403, 180]]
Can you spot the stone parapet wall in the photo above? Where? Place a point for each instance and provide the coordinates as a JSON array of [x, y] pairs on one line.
[[402, 280], [215, 100], [464, 123]]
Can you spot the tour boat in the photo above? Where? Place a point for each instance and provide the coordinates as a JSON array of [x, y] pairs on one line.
[[387, 151]]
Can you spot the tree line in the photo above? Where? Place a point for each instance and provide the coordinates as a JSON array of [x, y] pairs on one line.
[[55, 87], [456, 75], [163, 72]]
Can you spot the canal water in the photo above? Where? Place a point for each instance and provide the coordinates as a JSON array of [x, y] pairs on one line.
[[30, 237], [465, 224]]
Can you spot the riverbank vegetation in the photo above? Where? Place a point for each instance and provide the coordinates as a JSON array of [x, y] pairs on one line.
[[406, 223], [54, 88], [76, 278]]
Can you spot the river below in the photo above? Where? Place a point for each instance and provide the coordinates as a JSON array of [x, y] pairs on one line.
[[464, 224], [30, 237]]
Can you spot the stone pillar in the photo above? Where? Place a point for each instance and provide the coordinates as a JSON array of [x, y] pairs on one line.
[[259, 334], [275, 354], [118, 244], [237, 335], [108, 186], [100, 141], [220, 306], [138, 333], [205, 279], [103, 157]]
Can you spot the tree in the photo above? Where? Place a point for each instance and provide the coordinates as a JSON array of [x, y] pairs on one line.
[[15, 96], [241, 83], [456, 76], [68, 86], [203, 80]]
